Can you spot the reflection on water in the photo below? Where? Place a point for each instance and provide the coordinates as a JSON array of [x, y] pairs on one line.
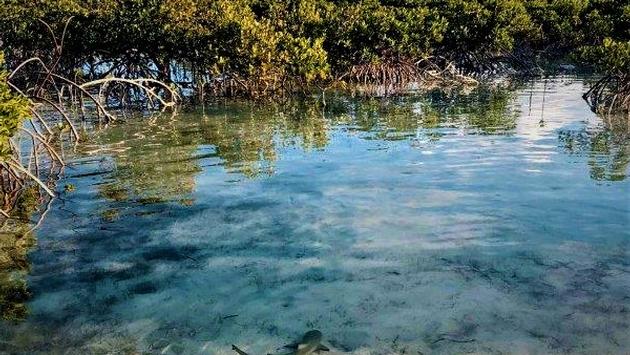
[[438, 223], [608, 149]]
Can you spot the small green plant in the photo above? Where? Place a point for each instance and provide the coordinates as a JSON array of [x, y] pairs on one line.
[[13, 110]]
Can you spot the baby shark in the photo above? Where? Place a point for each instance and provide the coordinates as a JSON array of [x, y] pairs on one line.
[[311, 343]]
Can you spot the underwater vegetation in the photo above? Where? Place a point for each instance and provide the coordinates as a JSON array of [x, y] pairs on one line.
[[16, 240]]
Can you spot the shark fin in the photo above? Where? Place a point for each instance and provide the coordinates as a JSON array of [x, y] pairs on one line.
[[322, 348]]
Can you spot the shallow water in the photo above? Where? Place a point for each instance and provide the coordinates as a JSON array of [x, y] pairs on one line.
[[487, 223]]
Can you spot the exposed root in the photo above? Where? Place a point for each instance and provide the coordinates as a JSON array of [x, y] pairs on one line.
[[46, 89], [397, 75], [144, 85], [610, 94], [16, 165]]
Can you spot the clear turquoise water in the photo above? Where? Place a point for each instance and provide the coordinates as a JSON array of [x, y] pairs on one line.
[[487, 223]]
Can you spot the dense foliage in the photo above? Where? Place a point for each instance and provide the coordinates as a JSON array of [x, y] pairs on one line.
[[265, 45], [261, 47], [13, 109]]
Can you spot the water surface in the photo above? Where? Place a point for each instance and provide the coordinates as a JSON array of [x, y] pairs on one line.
[[494, 222]]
